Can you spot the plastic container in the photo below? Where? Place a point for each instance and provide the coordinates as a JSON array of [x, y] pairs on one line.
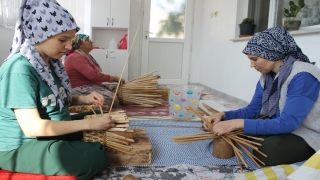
[[181, 97], [113, 44], [123, 42]]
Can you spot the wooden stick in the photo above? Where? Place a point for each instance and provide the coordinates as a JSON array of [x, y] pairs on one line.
[[119, 137], [121, 150], [201, 117], [246, 140], [230, 142], [117, 140], [238, 161], [243, 142], [251, 156], [101, 111], [93, 110], [252, 137], [205, 111], [148, 74], [115, 93], [214, 111]]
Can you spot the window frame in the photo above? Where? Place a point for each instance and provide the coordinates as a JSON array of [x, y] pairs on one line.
[[272, 17]]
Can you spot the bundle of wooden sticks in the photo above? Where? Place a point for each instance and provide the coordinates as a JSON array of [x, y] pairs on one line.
[[111, 138], [237, 141], [142, 91]]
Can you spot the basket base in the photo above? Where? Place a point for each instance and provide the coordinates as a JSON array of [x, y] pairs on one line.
[[141, 147]]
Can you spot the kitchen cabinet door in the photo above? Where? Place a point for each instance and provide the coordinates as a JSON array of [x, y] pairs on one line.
[[100, 55], [110, 13], [120, 13], [117, 59], [100, 13]]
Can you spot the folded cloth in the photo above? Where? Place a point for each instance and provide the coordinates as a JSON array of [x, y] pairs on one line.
[[279, 172], [309, 170]]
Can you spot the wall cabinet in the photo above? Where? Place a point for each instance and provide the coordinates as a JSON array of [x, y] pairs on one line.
[[110, 13], [110, 20]]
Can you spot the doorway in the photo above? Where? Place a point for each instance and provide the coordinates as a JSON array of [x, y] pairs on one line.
[[166, 43]]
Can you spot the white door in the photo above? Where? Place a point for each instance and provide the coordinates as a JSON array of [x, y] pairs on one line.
[[166, 40]]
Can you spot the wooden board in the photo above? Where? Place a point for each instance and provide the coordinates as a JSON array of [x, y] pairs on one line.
[[141, 147]]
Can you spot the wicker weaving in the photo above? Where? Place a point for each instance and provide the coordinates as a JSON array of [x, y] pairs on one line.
[[87, 108], [110, 138], [143, 91]]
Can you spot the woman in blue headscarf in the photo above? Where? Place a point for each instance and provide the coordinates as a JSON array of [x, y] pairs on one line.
[[287, 94], [37, 134]]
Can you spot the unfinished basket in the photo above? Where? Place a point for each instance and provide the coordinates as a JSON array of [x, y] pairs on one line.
[[227, 145], [110, 139], [143, 91]]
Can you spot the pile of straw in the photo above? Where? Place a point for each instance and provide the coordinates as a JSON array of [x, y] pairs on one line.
[[142, 91]]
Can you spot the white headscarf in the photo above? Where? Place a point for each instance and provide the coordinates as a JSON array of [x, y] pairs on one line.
[[39, 20]]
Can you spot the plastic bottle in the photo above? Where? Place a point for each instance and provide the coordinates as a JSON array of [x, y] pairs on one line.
[[112, 44]]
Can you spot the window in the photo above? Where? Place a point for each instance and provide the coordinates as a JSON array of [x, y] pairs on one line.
[[269, 13], [167, 18]]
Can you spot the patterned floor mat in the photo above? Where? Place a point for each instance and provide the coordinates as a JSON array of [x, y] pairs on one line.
[[177, 172]]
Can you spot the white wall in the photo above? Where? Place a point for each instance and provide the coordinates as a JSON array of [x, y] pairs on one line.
[[5, 42], [134, 61], [218, 62]]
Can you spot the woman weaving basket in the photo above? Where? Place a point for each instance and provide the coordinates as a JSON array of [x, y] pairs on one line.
[[37, 134], [84, 71], [287, 94]]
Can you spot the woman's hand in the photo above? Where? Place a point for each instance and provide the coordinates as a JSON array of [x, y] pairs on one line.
[[116, 79], [214, 119], [224, 127], [93, 98], [104, 122]]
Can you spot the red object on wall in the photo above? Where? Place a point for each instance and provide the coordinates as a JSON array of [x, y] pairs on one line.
[[123, 42], [8, 175]]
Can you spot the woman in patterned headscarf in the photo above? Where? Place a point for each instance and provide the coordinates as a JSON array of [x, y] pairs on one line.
[[37, 134], [85, 73], [287, 95]]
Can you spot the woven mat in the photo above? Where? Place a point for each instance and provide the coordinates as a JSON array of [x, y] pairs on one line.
[[165, 152]]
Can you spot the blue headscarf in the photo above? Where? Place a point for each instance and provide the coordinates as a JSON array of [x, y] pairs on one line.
[[38, 20], [275, 44]]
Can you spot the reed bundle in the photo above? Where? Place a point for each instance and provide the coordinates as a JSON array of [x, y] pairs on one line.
[[236, 140], [142, 91], [110, 138]]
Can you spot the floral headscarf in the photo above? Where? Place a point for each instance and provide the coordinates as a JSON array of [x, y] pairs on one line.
[[76, 42], [275, 44], [37, 21]]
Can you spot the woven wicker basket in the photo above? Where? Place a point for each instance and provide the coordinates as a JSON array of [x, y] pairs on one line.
[[101, 136], [143, 91], [95, 136]]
